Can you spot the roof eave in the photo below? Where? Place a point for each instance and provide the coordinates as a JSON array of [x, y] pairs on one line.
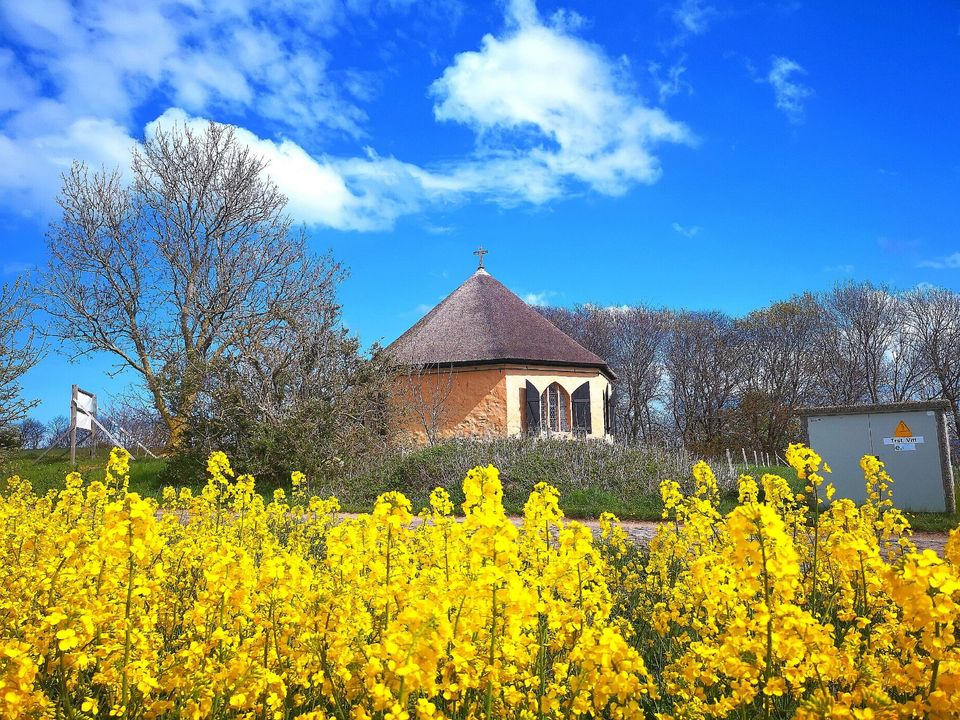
[[602, 367]]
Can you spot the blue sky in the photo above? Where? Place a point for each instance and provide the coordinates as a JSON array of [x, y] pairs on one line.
[[694, 153]]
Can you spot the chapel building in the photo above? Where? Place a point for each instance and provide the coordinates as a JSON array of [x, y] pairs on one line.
[[485, 364]]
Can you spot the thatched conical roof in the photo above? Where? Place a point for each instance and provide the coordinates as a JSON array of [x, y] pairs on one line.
[[483, 322]]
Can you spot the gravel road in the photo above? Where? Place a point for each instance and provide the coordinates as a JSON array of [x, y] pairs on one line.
[[641, 531]]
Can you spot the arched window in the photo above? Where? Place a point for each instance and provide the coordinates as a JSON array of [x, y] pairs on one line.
[[555, 409]]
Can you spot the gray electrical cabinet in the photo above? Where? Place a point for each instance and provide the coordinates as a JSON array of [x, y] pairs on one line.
[[910, 438]]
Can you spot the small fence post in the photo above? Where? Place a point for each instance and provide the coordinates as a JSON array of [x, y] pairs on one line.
[[93, 431], [73, 426]]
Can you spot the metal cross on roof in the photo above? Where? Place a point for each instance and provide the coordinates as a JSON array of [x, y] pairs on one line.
[[480, 252]]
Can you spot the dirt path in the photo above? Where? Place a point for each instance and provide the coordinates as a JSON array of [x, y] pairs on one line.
[[930, 541], [640, 531]]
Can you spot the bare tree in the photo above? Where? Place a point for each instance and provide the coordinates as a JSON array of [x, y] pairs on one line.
[[32, 432], [864, 319], [596, 329], [705, 368], [840, 380], [935, 322], [743, 380], [183, 268], [134, 422], [631, 340], [424, 396], [639, 340], [778, 341], [570, 321], [57, 431], [908, 374], [18, 353]]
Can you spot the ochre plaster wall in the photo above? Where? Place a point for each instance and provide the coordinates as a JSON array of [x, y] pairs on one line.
[[473, 403], [486, 401]]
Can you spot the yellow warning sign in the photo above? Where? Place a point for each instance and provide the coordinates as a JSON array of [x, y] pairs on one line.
[[903, 430]]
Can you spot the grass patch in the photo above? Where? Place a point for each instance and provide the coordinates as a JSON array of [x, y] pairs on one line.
[[933, 522], [784, 471], [590, 504], [592, 477], [50, 471]]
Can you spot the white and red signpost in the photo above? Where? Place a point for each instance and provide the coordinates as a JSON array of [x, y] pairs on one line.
[[83, 416]]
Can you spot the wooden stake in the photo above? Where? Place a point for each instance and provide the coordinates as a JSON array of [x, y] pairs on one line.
[[73, 426], [93, 430]]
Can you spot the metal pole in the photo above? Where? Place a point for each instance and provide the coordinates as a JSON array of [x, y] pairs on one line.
[[73, 426]]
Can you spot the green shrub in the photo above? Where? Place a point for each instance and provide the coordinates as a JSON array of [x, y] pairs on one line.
[[591, 475]]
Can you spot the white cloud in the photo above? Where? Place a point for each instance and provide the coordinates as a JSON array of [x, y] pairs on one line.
[[671, 82], [568, 20], [791, 95], [551, 112], [105, 57], [539, 299], [687, 232], [549, 108], [949, 262], [30, 168], [17, 88], [342, 193], [84, 69], [692, 17], [346, 194], [522, 13]]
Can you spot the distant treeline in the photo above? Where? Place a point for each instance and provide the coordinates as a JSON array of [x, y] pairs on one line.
[[714, 381]]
